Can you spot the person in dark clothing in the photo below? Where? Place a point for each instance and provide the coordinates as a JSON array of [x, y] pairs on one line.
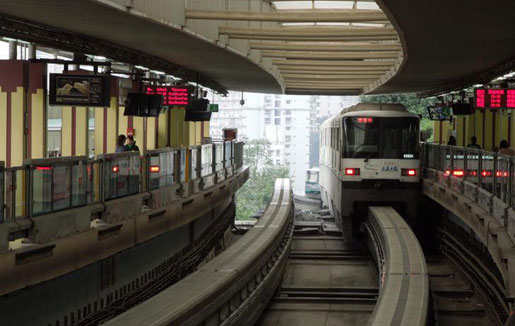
[[131, 144], [473, 143], [120, 144], [452, 141]]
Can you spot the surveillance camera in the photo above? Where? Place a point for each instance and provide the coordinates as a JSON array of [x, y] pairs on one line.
[[242, 102]]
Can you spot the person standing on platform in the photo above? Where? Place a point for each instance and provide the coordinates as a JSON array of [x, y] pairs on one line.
[[131, 144], [505, 149], [473, 143], [120, 144], [452, 141]]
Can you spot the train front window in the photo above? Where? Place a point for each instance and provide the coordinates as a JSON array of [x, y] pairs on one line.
[[395, 138], [361, 137]]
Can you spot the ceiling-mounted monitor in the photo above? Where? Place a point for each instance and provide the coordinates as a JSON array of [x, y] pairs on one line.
[[79, 90], [439, 113], [143, 105]]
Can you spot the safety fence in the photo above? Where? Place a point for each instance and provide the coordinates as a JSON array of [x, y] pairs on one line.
[[43, 186], [492, 172]]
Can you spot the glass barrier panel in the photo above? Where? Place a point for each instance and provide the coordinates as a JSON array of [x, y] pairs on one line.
[[134, 174], [2, 189], [155, 171], [501, 178], [473, 165], [61, 195], [218, 156], [193, 163], [207, 160], [182, 167], [487, 171], [41, 190], [170, 160], [79, 184], [94, 182], [21, 194], [227, 154], [110, 179], [122, 178], [9, 194]]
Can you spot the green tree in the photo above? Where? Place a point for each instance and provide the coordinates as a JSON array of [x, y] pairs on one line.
[[257, 191], [412, 103]]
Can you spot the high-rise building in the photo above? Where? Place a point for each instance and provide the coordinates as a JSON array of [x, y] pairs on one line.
[[286, 121]]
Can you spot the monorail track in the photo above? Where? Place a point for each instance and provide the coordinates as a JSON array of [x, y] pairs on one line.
[[326, 281]]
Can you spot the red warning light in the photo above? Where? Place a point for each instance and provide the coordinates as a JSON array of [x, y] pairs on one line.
[[350, 171], [458, 173], [154, 168], [115, 168], [364, 120], [43, 168]]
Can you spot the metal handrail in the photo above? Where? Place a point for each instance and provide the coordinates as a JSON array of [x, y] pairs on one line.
[[490, 171], [75, 181]]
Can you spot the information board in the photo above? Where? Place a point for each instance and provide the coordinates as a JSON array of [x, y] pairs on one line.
[[173, 95], [80, 90], [494, 98]]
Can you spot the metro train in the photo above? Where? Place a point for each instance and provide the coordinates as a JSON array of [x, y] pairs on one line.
[[369, 155]]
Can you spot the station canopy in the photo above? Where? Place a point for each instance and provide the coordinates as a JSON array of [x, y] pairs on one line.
[[340, 47], [343, 47]]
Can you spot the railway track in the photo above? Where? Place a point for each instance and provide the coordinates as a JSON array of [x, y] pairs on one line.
[[326, 281]]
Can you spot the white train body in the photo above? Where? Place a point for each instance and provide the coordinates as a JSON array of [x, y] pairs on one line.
[[369, 155]]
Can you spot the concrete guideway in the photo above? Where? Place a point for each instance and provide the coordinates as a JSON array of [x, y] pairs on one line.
[[322, 272]]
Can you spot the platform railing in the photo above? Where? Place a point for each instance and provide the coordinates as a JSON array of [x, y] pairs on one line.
[[44, 186], [492, 172]]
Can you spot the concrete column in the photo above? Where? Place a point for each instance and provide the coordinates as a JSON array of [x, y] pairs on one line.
[[13, 50], [32, 51]]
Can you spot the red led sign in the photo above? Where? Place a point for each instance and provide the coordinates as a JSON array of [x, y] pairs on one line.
[[173, 95], [494, 98]]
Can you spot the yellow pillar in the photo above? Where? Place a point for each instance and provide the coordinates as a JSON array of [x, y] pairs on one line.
[[488, 130], [151, 133], [206, 128], [122, 121], [106, 127], [3, 125], [81, 130], [173, 132], [192, 133], [112, 125], [66, 131], [198, 133], [502, 123], [162, 130], [139, 132], [38, 124], [99, 131]]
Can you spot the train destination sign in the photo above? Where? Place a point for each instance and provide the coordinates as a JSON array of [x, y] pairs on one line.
[[173, 95], [80, 90], [494, 98]]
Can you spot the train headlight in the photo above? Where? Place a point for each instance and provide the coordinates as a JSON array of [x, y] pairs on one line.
[[351, 171], [408, 172]]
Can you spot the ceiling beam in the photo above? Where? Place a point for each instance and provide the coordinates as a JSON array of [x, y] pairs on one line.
[[379, 63], [376, 74], [325, 87], [333, 70], [289, 76], [305, 55], [348, 47], [291, 16], [316, 33]]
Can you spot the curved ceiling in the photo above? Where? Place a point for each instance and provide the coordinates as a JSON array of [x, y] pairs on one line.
[[107, 22], [304, 47], [452, 43]]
